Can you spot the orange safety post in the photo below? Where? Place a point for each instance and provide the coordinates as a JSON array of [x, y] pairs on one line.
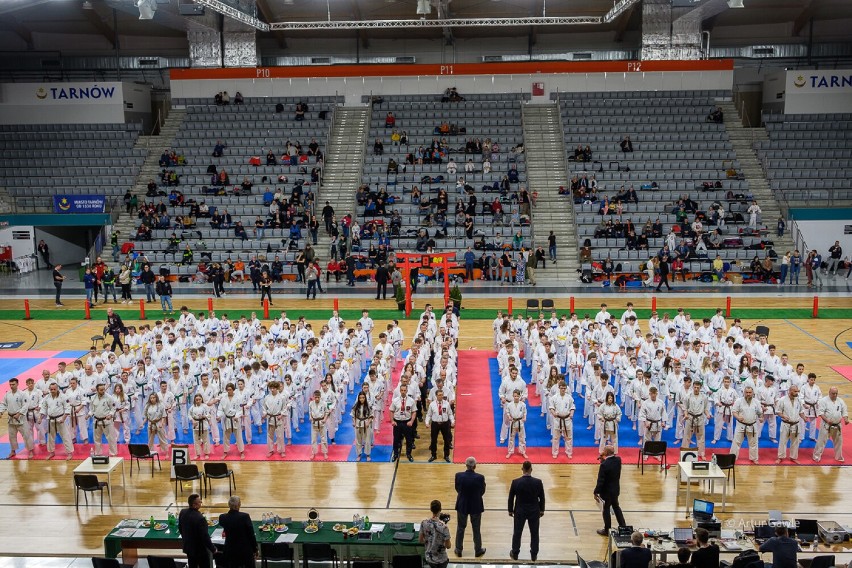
[[27, 310], [142, 309], [266, 308], [510, 305], [88, 310], [653, 303], [572, 304], [728, 307], [209, 307], [336, 305], [816, 307]]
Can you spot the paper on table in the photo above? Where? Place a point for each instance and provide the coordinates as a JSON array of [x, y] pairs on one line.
[[286, 537], [416, 527], [377, 528], [124, 533], [217, 536], [140, 533]]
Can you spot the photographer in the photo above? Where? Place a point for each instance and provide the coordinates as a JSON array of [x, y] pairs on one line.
[[435, 535]]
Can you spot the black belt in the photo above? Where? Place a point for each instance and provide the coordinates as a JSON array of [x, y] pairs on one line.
[[200, 422], [747, 426], [230, 421], [516, 425], [563, 424], [101, 421], [55, 420], [273, 420], [832, 425]]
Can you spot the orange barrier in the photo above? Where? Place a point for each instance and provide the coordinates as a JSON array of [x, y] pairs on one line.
[[27, 310], [209, 307], [816, 307], [572, 304], [88, 310], [141, 309], [653, 303], [336, 305], [266, 308], [728, 307], [510, 305]]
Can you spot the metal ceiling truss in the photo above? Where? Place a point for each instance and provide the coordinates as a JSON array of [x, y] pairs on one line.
[[231, 12], [451, 23]]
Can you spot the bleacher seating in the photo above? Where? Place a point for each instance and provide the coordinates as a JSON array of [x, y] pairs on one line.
[[248, 130], [490, 116], [674, 147], [808, 157], [41, 160]]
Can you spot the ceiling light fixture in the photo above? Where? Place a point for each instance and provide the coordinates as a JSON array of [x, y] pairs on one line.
[[735, 4], [88, 5], [146, 9], [424, 7]]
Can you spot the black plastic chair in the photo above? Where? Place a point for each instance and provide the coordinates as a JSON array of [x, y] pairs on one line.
[[356, 563], [219, 470], [319, 552], [108, 563], [590, 563], [143, 452], [275, 552], [164, 562], [531, 305], [727, 463], [653, 448], [407, 561], [88, 484], [188, 473], [763, 330], [824, 561], [547, 304]]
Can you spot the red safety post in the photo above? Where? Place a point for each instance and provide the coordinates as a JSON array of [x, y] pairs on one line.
[[653, 303], [510, 305], [336, 305], [445, 266], [266, 308], [816, 307], [89, 313], [27, 310], [728, 307], [209, 307], [572, 304], [141, 309]]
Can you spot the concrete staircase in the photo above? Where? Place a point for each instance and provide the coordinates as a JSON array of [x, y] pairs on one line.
[[743, 140], [7, 204], [155, 145], [544, 150], [344, 159]]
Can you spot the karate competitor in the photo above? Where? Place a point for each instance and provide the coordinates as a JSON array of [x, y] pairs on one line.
[[102, 412], [561, 407], [810, 396], [608, 418], [792, 415], [318, 414], [155, 417], [362, 421], [55, 409], [748, 412], [231, 415], [697, 409], [832, 411], [516, 413], [506, 394], [277, 416], [767, 396], [199, 413], [35, 424], [14, 403], [652, 417], [724, 401]]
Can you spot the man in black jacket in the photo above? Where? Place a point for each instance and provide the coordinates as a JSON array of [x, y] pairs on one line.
[[470, 487], [526, 505], [194, 534], [115, 327], [608, 489], [240, 542], [637, 556], [382, 278]]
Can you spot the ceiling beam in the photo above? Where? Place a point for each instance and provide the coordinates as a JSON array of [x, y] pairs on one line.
[[94, 18], [12, 24], [623, 22], [267, 14], [362, 34], [710, 23], [806, 14]]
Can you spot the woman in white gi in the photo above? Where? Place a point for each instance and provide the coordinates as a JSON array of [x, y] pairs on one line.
[[516, 416], [155, 417], [362, 420], [275, 410], [561, 407], [609, 415], [231, 414], [199, 415], [121, 418]]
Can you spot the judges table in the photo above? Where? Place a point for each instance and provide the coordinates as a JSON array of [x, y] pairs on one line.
[[662, 547], [127, 540], [712, 474], [87, 467]]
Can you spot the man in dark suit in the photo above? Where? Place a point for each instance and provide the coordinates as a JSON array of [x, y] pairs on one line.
[[470, 487], [608, 489], [637, 556], [194, 534], [526, 505], [240, 542]]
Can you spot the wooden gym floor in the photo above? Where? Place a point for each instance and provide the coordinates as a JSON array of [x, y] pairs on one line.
[[37, 514]]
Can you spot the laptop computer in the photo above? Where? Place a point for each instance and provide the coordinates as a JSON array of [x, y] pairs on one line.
[[621, 536], [702, 510], [806, 529], [763, 532], [681, 535]]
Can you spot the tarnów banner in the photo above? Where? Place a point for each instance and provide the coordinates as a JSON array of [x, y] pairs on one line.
[[79, 203]]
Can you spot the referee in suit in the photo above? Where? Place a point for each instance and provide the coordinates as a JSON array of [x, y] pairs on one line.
[[194, 534], [240, 542], [470, 487], [608, 489], [439, 417], [526, 505]]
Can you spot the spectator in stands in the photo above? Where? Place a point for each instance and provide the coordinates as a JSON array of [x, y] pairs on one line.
[[271, 160], [378, 147], [780, 226], [469, 167], [240, 231], [246, 185], [795, 266], [626, 144], [756, 268], [835, 253], [785, 268], [768, 267], [452, 168], [147, 278], [607, 267], [663, 268], [219, 149], [678, 267], [187, 256], [505, 267], [753, 214], [226, 220], [513, 174], [143, 233], [813, 266], [224, 178], [390, 120], [301, 108], [238, 98], [719, 268], [578, 153], [716, 116]]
